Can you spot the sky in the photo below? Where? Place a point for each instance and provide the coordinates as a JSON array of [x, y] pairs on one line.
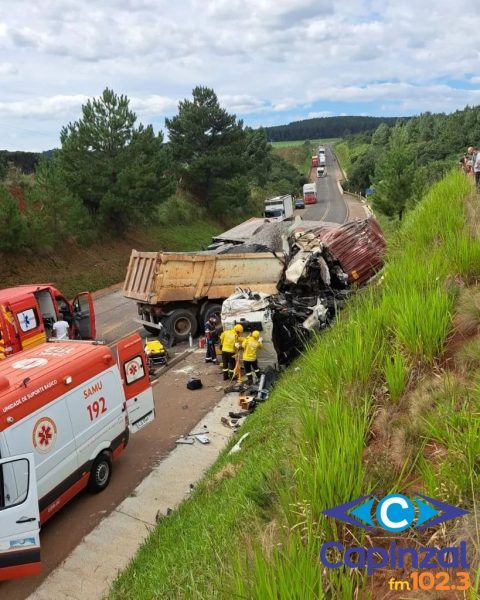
[[269, 61]]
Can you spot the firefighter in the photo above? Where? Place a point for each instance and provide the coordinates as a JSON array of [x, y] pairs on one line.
[[230, 343], [210, 339], [251, 345]]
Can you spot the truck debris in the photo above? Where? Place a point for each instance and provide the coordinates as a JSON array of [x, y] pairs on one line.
[[325, 264]]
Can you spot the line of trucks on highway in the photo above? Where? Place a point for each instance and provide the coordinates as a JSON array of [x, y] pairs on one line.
[[67, 408], [319, 162]]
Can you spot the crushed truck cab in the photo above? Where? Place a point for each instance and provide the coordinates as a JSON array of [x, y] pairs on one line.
[[28, 312], [66, 412]]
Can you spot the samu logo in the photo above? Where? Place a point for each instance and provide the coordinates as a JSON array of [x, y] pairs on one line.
[[394, 512]]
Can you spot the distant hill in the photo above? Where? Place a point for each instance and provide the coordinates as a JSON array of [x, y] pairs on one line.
[[326, 127], [25, 161]]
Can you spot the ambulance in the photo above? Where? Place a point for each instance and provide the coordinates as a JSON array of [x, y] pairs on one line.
[[66, 411], [28, 312]]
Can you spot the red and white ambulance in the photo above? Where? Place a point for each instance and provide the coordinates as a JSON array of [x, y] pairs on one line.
[[28, 312], [66, 410]]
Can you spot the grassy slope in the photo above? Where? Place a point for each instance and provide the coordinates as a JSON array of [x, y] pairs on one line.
[[346, 153], [104, 263], [253, 527]]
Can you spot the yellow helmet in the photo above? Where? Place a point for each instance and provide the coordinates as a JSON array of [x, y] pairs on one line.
[[255, 334], [238, 328]]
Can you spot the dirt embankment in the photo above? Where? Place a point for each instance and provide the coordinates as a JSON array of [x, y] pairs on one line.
[[74, 268]]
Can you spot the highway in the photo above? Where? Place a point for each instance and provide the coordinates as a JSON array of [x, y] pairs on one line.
[[330, 204], [176, 413]]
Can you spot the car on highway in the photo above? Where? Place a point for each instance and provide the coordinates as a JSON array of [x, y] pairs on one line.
[[299, 203]]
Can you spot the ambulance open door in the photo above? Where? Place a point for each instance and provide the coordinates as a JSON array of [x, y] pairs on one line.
[[19, 518], [136, 382], [84, 316]]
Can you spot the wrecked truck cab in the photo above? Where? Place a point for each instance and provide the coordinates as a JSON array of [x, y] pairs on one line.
[[285, 324], [251, 310]]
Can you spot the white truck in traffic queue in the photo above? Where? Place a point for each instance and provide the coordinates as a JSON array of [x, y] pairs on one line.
[[66, 411], [279, 208]]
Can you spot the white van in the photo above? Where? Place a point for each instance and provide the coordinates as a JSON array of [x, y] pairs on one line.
[[66, 410]]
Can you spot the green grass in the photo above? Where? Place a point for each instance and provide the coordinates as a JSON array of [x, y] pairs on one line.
[[346, 153], [256, 532]]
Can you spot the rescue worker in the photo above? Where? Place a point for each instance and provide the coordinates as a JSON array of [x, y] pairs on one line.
[[210, 339], [61, 329], [230, 344], [251, 345]]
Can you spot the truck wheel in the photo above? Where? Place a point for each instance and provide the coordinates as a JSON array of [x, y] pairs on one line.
[[151, 330], [181, 324], [100, 473]]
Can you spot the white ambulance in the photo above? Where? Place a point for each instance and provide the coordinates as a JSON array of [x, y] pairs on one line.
[[66, 410]]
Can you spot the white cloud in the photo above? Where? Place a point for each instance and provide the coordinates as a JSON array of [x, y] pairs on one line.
[[7, 69], [319, 114], [268, 61]]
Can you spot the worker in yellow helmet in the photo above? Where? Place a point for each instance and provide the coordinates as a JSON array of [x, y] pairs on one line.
[[230, 343], [251, 345]]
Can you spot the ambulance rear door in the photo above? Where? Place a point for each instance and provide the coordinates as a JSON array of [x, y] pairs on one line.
[[19, 518], [136, 383]]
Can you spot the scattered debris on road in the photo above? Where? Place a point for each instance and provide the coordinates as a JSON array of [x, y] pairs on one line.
[[185, 440], [237, 447]]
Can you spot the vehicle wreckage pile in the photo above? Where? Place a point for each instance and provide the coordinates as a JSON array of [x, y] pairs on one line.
[[325, 263]]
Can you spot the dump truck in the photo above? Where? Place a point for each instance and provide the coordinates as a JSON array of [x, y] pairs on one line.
[[177, 292]]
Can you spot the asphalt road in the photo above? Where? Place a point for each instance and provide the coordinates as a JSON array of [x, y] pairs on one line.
[[330, 204], [176, 412]]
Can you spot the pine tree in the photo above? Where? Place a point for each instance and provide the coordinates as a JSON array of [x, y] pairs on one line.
[[207, 144], [394, 175], [117, 169]]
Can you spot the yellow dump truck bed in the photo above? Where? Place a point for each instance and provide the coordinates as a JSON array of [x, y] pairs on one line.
[[155, 277]]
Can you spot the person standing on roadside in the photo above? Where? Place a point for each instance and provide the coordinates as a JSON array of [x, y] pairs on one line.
[[476, 167], [210, 337], [469, 156]]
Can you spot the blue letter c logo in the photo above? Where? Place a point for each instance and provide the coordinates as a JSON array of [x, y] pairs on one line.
[[395, 512]]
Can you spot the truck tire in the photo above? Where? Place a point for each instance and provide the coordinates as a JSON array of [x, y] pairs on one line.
[[181, 324], [100, 473]]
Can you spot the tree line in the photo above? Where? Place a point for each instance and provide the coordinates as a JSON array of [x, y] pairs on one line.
[[112, 173], [402, 161], [325, 127]]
